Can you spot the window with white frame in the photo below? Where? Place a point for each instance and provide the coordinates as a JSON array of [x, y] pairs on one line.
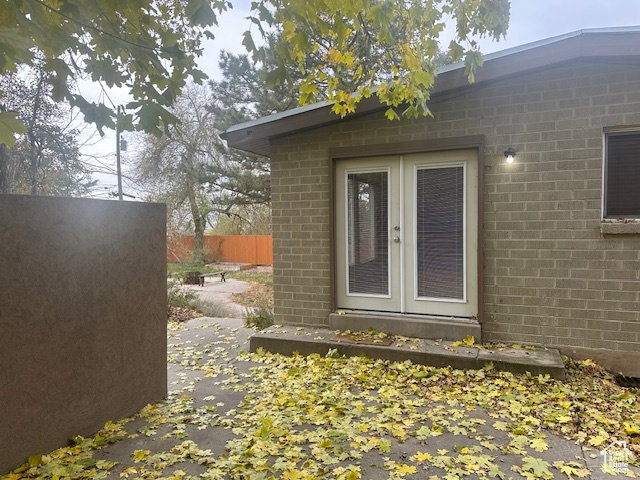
[[621, 174]]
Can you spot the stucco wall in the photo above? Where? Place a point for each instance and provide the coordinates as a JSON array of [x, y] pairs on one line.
[[82, 318], [550, 277]]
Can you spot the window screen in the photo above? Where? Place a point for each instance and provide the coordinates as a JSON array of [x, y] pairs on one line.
[[440, 232], [622, 175], [368, 233]]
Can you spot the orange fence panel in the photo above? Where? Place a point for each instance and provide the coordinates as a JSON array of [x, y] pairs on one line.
[[179, 248], [252, 249]]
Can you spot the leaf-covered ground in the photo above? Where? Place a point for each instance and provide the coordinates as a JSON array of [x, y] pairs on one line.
[[239, 416], [260, 294]]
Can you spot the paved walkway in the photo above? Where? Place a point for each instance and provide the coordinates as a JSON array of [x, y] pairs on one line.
[[216, 424], [220, 293], [203, 371]]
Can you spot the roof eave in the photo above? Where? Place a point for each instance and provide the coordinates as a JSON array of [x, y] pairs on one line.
[[255, 136]]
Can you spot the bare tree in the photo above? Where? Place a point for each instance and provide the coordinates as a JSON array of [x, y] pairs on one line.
[[177, 168], [46, 159]]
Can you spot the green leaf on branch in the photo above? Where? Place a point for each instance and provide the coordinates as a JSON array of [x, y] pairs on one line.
[[145, 46], [472, 60], [391, 114], [276, 77], [247, 42], [349, 48], [13, 46]]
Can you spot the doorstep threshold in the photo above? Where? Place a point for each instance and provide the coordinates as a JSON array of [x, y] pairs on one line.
[[288, 339], [407, 325]]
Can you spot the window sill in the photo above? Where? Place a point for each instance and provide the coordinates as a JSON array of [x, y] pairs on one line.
[[622, 227]]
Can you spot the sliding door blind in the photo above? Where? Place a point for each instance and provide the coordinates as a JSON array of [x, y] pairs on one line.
[[368, 233], [623, 175], [440, 232]]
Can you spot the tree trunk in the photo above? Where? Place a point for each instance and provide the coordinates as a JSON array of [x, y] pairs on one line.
[[198, 250], [34, 150], [4, 168], [199, 224]]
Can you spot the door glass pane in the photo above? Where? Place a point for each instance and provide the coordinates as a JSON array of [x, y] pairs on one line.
[[368, 233], [440, 232]]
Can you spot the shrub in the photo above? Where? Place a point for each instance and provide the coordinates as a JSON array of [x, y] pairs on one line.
[[210, 309], [259, 318], [177, 296], [183, 298]]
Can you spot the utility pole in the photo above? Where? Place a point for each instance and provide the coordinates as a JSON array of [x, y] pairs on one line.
[[118, 153]]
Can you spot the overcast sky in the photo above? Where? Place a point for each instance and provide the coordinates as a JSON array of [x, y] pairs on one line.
[[531, 20]]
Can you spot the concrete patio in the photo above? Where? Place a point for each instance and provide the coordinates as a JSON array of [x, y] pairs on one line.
[[232, 416]]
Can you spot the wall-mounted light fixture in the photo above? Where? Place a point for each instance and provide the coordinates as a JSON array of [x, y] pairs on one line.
[[510, 154]]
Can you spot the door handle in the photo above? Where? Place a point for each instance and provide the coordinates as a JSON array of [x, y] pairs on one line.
[[396, 239]]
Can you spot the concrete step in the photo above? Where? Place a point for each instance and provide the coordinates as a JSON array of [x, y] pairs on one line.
[[406, 325], [289, 339]]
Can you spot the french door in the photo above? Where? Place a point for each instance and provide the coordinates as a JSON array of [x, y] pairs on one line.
[[406, 233]]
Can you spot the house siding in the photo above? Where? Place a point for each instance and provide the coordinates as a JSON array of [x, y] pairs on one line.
[[550, 277]]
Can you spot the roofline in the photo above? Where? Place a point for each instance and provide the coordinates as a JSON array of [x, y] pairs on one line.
[[255, 135]]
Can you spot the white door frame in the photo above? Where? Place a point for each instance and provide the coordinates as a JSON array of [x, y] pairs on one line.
[[403, 296]]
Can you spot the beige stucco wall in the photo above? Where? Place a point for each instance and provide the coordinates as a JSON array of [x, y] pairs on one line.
[[550, 277], [82, 318]]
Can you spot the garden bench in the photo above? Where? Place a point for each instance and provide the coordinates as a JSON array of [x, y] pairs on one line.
[[197, 278], [221, 273]]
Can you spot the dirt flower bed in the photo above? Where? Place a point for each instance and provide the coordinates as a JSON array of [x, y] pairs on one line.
[[181, 314], [257, 295], [260, 294]]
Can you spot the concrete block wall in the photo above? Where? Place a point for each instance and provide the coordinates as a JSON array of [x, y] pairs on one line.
[[301, 241], [551, 278], [82, 318]]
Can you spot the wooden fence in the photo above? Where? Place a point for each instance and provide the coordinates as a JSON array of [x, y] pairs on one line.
[[253, 249]]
